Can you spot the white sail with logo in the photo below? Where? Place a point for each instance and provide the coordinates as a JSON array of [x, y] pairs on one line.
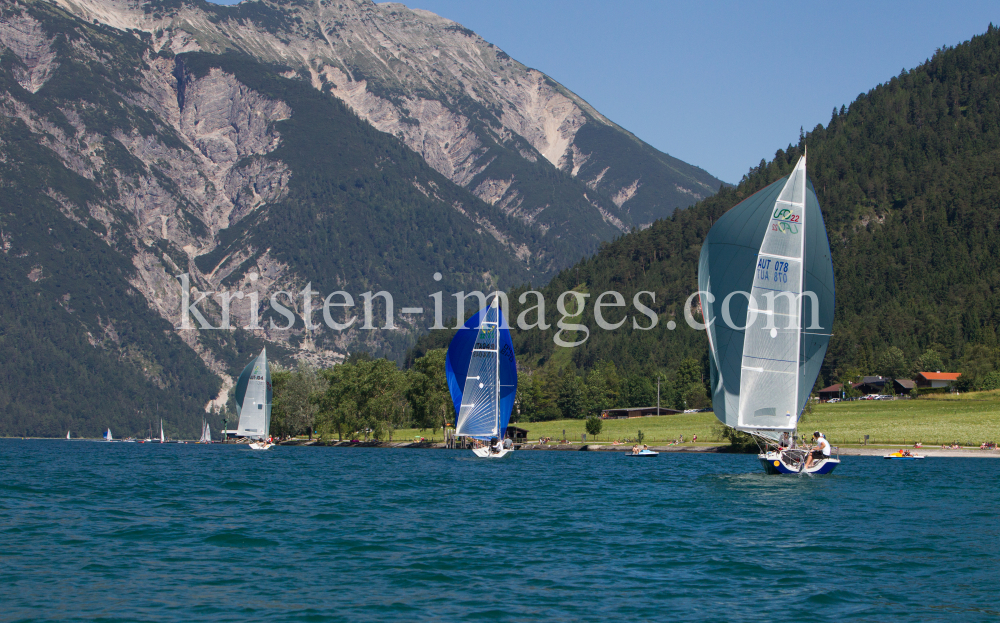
[[769, 387]]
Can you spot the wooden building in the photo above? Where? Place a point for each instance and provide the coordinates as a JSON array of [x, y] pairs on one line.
[[630, 412]]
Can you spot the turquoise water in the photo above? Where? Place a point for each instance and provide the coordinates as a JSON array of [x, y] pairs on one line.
[[91, 530]]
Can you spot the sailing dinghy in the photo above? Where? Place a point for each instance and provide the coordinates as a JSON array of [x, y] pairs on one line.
[[766, 286], [482, 379], [107, 436], [253, 403], [206, 433]]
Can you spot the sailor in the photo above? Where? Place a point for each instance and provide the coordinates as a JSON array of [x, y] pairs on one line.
[[787, 442], [495, 445], [820, 451]]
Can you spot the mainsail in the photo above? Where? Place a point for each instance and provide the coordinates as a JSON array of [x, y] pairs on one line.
[[162, 438], [206, 435], [253, 399], [766, 279], [107, 436], [482, 375]]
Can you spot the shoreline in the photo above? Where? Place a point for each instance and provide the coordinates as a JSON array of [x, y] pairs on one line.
[[578, 447], [876, 451]]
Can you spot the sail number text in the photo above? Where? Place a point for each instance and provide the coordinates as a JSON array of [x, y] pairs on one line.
[[766, 265]]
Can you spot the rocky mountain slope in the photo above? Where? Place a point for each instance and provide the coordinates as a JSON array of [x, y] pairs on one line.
[[477, 116], [142, 143]]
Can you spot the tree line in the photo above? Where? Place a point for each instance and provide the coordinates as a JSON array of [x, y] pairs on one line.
[[368, 398]]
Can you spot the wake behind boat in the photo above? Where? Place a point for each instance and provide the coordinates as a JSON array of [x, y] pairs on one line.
[[253, 403], [766, 349], [482, 379]]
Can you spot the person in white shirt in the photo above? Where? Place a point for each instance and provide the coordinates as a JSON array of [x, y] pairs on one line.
[[820, 451]]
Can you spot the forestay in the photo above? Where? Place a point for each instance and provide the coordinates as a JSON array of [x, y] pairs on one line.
[[770, 257], [253, 399]]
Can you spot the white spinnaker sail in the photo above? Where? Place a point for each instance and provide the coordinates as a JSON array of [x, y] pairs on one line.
[[255, 412], [772, 344], [479, 415]]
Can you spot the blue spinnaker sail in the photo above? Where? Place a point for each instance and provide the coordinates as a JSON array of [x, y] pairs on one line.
[[459, 360]]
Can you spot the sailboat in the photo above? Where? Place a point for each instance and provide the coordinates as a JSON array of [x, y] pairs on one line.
[[67, 434], [107, 436], [482, 378], [206, 433], [766, 346], [253, 403], [162, 438]]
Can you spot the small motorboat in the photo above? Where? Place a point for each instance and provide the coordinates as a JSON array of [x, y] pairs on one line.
[[643, 453], [903, 455]]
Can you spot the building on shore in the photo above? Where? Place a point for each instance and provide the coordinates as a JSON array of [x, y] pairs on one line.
[[630, 412], [935, 380]]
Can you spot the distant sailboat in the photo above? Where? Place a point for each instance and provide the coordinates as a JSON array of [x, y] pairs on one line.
[[253, 403], [67, 434], [766, 349], [162, 438], [482, 378], [107, 436], [206, 433]]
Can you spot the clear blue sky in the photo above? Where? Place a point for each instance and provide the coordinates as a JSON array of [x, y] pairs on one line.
[[719, 84]]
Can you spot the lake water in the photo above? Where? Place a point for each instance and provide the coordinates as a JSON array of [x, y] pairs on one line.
[[91, 530]]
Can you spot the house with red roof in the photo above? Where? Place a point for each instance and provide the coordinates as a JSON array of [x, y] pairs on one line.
[[936, 379]]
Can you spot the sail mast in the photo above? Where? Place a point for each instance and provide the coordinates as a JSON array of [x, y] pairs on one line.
[[802, 277], [496, 358]]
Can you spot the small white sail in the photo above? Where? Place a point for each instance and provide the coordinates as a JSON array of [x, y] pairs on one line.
[[206, 433], [107, 436], [162, 438], [253, 399], [67, 434]]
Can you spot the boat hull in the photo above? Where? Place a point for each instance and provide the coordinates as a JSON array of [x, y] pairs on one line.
[[485, 453], [647, 453], [260, 446], [774, 463]]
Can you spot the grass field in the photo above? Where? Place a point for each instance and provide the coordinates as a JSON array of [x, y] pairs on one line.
[[969, 419]]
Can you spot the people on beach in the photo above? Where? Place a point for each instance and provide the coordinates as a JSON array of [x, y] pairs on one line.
[[819, 451]]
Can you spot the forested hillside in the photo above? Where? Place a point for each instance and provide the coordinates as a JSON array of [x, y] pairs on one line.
[[908, 177]]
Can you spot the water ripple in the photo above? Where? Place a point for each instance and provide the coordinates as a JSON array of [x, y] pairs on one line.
[[144, 532]]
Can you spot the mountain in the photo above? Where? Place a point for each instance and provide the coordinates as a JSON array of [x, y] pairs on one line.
[[145, 144], [907, 180], [477, 116]]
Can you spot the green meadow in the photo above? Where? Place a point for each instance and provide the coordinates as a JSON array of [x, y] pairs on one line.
[[969, 419]]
